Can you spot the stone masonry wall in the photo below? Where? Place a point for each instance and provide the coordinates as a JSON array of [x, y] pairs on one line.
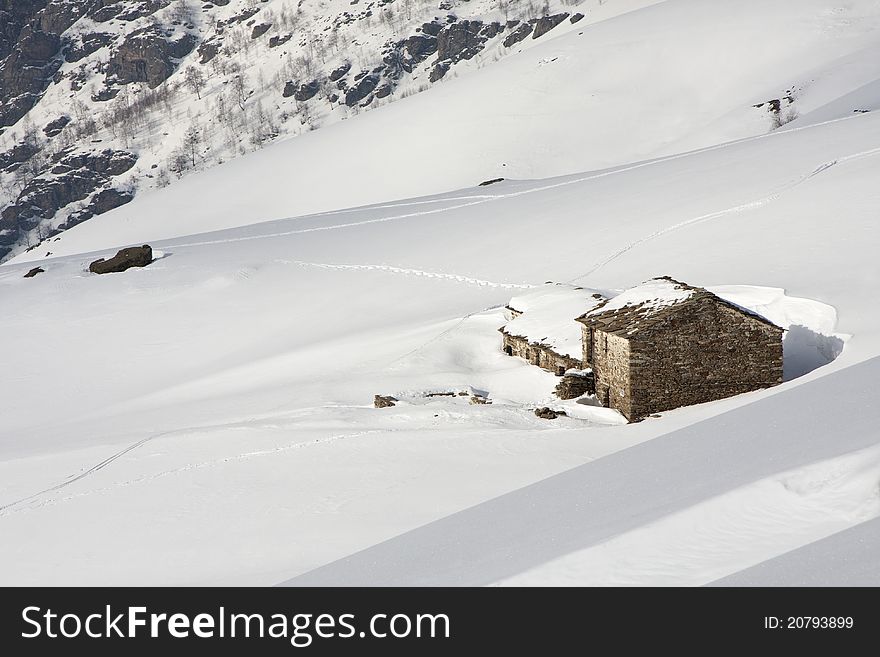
[[711, 352], [538, 354], [611, 366]]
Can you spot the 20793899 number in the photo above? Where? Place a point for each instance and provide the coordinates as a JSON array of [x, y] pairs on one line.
[[819, 622]]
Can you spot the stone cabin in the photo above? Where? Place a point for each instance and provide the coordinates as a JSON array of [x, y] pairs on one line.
[[541, 327], [666, 344]]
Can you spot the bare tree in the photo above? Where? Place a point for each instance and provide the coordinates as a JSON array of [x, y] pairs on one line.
[[195, 80], [239, 90], [192, 139]]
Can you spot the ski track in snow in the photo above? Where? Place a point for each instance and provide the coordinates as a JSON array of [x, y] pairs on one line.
[[743, 207], [409, 272], [488, 198], [7, 509]]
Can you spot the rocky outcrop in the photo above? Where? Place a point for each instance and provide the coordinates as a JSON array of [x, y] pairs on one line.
[[26, 72], [277, 40], [363, 88], [547, 23], [56, 126], [72, 177], [464, 39], [33, 272], [306, 91], [340, 72], [133, 256], [85, 44], [301, 92], [440, 69], [520, 33], [148, 55], [207, 51], [383, 401], [260, 29], [17, 155]]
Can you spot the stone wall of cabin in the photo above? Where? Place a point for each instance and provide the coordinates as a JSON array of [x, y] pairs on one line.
[[611, 368], [538, 354], [711, 352]]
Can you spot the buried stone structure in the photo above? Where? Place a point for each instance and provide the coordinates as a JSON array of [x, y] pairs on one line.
[[666, 344], [652, 348]]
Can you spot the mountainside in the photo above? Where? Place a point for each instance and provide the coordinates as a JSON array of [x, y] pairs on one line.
[[209, 418], [170, 87], [136, 95]]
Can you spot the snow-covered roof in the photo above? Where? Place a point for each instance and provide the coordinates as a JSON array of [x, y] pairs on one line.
[[549, 316], [639, 307]]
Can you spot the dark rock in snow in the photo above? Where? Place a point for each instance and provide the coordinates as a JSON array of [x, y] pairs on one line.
[[146, 55], [438, 71], [577, 17], [260, 29], [547, 23], [277, 40], [307, 90], [380, 401], [33, 272], [54, 127], [517, 35], [361, 90], [340, 72], [133, 256], [207, 51], [486, 183], [548, 414]]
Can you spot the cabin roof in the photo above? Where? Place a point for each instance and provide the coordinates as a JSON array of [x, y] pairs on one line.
[[653, 302]]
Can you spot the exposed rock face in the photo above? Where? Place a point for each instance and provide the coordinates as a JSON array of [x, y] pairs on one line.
[[27, 70], [380, 401], [146, 55], [340, 72], [520, 33], [547, 23], [72, 178], [133, 256], [486, 183], [260, 29], [55, 127], [438, 71], [33, 272], [461, 40], [307, 90], [17, 155], [207, 51], [85, 45], [577, 17], [362, 89], [278, 40]]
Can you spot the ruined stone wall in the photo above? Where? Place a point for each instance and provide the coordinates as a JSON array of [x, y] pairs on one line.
[[711, 352], [611, 366], [538, 354]]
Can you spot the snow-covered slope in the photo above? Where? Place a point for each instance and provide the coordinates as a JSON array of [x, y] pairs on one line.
[[209, 418], [628, 82]]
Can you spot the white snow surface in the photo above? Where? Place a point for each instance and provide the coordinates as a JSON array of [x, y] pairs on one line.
[[208, 419], [549, 314]]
